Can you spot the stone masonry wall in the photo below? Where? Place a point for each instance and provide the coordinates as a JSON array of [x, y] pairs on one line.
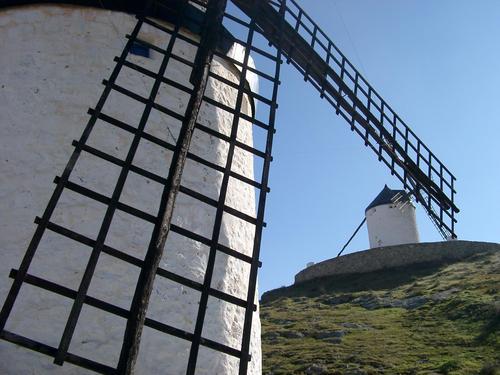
[[395, 256]]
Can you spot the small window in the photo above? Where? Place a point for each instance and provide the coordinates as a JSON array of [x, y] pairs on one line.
[[139, 49]]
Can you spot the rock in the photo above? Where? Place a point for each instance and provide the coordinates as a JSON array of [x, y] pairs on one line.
[[414, 302], [281, 321], [338, 300], [292, 334], [271, 336], [373, 302], [370, 302], [315, 369], [445, 294], [356, 325], [329, 334]]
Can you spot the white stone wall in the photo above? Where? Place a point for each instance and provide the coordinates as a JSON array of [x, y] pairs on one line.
[[390, 225], [53, 59], [383, 258]]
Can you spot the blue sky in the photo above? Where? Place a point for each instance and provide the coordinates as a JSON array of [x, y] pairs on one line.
[[437, 64]]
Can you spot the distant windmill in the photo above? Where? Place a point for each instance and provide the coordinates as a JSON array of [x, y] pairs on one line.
[[185, 83], [391, 220]]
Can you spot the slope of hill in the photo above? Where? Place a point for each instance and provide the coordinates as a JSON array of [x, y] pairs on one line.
[[425, 319]]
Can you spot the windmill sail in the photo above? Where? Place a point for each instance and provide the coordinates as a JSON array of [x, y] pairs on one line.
[[321, 63]]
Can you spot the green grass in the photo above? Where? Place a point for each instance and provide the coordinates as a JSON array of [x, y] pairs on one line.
[[457, 334]]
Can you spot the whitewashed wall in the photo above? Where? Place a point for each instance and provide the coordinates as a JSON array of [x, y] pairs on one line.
[[53, 59], [390, 225]]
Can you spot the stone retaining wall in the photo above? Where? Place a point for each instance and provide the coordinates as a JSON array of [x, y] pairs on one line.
[[395, 256]]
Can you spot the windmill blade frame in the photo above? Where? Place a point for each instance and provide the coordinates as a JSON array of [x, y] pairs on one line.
[[320, 62]]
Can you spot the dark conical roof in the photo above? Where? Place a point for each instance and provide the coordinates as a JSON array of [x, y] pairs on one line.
[[384, 197]]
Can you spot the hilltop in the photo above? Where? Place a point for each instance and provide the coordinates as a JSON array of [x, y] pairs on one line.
[[423, 319]]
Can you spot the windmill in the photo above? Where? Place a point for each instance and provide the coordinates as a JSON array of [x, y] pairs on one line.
[[237, 31]]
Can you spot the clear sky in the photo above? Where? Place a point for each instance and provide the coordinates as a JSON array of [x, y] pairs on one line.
[[437, 64]]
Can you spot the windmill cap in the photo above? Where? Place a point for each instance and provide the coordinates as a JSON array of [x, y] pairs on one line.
[[386, 196]]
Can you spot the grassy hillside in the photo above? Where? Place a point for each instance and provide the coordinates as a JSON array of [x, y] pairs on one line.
[[430, 319]]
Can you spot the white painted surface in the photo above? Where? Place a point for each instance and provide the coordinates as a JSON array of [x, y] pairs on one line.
[[390, 225], [53, 59]]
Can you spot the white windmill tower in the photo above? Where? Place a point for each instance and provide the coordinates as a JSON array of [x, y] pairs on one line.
[[391, 219], [53, 57]]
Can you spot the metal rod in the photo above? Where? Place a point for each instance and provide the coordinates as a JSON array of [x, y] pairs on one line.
[[350, 239], [135, 323]]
